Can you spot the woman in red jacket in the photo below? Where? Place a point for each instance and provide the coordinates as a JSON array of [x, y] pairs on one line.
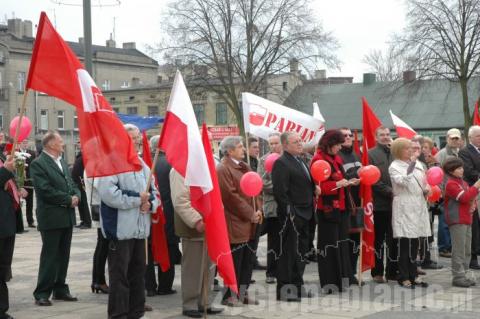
[[460, 204], [334, 266]]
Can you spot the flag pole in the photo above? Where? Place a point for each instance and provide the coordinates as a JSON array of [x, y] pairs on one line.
[[360, 253], [205, 276], [17, 131], [149, 183]]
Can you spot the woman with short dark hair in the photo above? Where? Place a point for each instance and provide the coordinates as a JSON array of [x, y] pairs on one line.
[[334, 265]]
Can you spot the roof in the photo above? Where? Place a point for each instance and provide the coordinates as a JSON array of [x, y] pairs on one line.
[[423, 104]]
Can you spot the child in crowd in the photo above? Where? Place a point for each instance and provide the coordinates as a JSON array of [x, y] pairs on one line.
[[460, 203]]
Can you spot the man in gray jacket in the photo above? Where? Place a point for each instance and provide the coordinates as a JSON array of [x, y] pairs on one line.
[[271, 225], [382, 208], [125, 220], [190, 228]]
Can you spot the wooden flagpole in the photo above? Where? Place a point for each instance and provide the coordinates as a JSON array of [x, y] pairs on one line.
[[360, 253], [205, 276], [149, 182]]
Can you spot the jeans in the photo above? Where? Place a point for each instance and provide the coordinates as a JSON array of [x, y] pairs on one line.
[[444, 241]]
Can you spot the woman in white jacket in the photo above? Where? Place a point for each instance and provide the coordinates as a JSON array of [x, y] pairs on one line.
[[410, 219]]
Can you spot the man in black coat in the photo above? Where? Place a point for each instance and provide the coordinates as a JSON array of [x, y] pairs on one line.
[[294, 190], [165, 279], [7, 232], [382, 208], [470, 156], [83, 208]]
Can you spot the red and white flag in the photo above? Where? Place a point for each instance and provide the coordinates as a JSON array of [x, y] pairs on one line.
[[402, 128], [189, 156], [55, 70]]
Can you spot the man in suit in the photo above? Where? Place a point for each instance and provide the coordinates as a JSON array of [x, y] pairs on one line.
[[28, 183], [7, 230], [293, 189], [57, 197], [470, 156], [382, 208]]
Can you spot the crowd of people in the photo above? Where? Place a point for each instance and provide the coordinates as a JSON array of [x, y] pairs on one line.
[[292, 208]]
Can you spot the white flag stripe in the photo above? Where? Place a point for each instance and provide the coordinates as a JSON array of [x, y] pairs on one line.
[[197, 172], [399, 122]]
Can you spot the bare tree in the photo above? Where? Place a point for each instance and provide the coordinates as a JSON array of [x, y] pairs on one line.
[[242, 42], [442, 40], [388, 65]]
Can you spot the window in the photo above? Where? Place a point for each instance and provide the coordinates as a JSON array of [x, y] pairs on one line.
[[285, 86], [44, 119], [20, 81], [106, 85], [199, 110], [221, 114], [132, 110], [152, 110], [116, 109], [60, 120], [75, 122], [125, 84]]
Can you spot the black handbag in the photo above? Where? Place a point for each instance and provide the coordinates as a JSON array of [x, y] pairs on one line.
[[95, 210], [357, 214]]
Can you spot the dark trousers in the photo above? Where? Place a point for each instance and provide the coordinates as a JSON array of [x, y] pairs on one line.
[[29, 202], [354, 249], [6, 254], [475, 237], [19, 220], [99, 259], [83, 209], [291, 264], [384, 238], [242, 262], [407, 266], [126, 270], [334, 263], [273, 245], [165, 279], [54, 258], [312, 226], [253, 244]]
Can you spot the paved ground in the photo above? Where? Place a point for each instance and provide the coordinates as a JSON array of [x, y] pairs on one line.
[[440, 300]]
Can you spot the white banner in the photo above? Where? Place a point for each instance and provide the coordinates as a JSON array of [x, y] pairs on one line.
[[262, 117]]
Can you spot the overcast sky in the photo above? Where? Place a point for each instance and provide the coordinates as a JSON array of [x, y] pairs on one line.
[[359, 25]]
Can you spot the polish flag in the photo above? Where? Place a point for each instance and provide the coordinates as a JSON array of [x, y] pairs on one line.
[[402, 128], [193, 159]]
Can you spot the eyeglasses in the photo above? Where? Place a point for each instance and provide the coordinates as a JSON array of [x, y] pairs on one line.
[[347, 135]]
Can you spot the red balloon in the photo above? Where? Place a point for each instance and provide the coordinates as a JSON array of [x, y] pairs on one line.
[[270, 160], [25, 128], [321, 170], [436, 194], [369, 174], [251, 184], [434, 176]]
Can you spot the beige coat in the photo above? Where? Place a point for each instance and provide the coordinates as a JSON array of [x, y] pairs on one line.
[[185, 217], [410, 216]]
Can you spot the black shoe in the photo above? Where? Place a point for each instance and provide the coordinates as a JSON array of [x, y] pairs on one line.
[[211, 310], [97, 288], [192, 313], [85, 226], [79, 225], [22, 232], [32, 225], [252, 281], [43, 302], [270, 280], [432, 265], [167, 292], [258, 266], [313, 258], [6, 316], [474, 265], [151, 293], [66, 297]]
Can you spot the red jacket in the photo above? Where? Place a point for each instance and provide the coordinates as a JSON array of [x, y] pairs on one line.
[[328, 186], [459, 201]]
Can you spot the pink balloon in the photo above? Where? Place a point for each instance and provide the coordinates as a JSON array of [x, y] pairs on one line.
[[270, 160], [434, 176], [25, 128], [251, 184]]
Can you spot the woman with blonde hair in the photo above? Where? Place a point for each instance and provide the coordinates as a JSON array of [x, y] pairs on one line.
[[410, 218]]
